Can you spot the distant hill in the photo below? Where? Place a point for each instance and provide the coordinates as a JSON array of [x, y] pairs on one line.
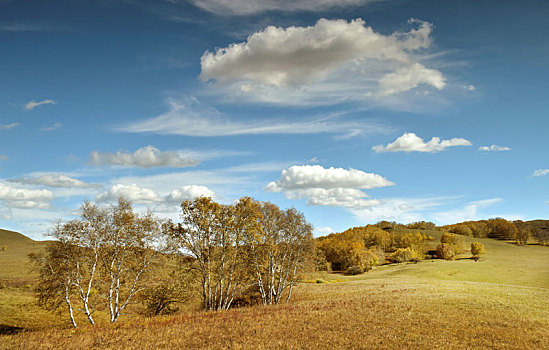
[[10, 237]]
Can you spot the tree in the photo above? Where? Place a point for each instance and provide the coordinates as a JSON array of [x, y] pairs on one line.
[[477, 249], [281, 249], [106, 250], [213, 236]]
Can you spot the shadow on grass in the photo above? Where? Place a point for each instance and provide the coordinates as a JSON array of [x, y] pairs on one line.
[[7, 330]]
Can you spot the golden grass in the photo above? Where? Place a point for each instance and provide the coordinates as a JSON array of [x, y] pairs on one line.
[[378, 313]]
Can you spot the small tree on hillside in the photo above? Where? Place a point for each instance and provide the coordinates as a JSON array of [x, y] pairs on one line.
[[477, 249]]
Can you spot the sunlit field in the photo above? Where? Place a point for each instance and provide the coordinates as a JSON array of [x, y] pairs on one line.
[[501, 301]]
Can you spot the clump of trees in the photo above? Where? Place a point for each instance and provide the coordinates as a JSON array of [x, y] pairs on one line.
[[112, 257], [362, 248], [450, 245], [98, 261]]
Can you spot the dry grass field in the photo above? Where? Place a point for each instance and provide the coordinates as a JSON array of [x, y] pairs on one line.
[[500, 302]]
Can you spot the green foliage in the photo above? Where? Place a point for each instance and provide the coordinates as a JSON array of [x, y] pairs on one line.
[[477, 249]]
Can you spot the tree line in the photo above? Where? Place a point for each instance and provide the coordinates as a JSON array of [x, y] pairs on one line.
[[113, 257]]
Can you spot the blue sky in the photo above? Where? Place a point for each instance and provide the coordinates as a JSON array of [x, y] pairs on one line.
[[352, 111]]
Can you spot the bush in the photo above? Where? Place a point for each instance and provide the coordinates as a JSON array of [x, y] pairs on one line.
[[355, 270], [462, 230], [446, 251], [456, 241], [402, 255], [477, 249], [4, 248]]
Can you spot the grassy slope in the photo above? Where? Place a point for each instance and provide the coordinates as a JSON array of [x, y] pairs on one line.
[[17, 303], [501, 302]]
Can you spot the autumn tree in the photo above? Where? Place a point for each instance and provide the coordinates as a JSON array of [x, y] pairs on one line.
[[477, 249], [213, 236], [279, 251], [106, 252]]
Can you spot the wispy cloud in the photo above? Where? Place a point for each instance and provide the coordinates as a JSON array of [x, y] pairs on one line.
[[410, 142], [494, 148], [33, 104], [540, 172], [8, 126], [55, 180], [190, 117], [53, 127], [469, 212], [246, 7]]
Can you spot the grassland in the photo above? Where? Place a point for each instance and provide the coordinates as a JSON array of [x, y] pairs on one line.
[[500, 302]]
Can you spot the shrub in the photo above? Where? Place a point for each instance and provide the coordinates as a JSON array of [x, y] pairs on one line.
[[477, 249], [402, 255], [4, 248], [456, 241], [446, 251], [355, 270], [462, 230]]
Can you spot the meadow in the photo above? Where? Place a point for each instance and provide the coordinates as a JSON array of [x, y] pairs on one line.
[[501, 301]]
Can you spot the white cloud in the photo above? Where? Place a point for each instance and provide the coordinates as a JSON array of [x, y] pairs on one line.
[[406, 78], [469, 212], [24, 198], [321, 231], [331, 62], [131, 192], [192, 118], [145, 157], [55, 180], [410, 142], [336, 197], [328, 186], [189, 192], [34, 104], [8, 126], [246, 7], [52, 127], [493, 148], [540, 172], [402, 210], [316, 176]]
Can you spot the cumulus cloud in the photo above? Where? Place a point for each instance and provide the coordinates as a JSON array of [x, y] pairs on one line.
[[493, 148], [189, 192], [334, 58], [143, 195], [34, 104], [25, 198], [540, 172], [410, 142], [145, 157], [190, 117], [246, 7], [8, 126], [132, 192], [328, 186], [55, 180]]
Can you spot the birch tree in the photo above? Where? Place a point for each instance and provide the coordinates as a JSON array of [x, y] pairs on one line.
[[131, 243], [279, 251], [213, 235]]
